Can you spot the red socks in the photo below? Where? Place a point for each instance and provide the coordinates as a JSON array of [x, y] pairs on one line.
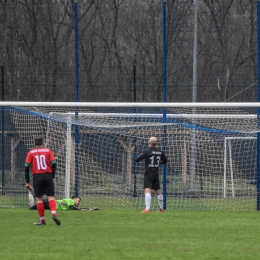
[[40, 209], [52, 204]]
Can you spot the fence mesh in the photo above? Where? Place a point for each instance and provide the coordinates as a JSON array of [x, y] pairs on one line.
[[211, 155]]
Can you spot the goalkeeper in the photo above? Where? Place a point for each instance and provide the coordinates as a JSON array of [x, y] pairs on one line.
[[64, 204]]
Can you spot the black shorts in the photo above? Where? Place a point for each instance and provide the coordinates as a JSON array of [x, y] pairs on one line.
[[151, 180], [43, 184]]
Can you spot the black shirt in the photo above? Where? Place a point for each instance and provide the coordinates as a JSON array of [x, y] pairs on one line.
[[153, 159]]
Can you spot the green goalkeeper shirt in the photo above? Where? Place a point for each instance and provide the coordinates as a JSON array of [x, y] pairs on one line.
[[64, 204]]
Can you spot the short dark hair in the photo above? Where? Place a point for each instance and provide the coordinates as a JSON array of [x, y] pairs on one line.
[[38, 141], [76, 197]]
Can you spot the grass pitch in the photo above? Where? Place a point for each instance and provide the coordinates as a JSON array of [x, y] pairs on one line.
[[129, 234]]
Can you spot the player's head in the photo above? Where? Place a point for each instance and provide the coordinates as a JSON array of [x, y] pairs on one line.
[[77, 200], [152, 141], [38, 141]]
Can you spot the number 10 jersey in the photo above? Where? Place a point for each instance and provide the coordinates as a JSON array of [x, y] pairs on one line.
[[40, 160]]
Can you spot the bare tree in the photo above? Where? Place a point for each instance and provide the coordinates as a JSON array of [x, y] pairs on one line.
[[225, 38], [37, 49]]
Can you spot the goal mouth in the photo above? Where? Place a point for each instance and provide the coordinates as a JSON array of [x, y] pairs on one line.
[[211, 152]]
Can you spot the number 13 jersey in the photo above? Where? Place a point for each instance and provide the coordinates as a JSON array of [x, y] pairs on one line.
[[153, 159]]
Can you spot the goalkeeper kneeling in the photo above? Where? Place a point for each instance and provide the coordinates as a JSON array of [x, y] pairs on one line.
[[64, 204]]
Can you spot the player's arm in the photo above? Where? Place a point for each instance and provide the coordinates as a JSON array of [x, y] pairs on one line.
[[140, 157], [163, 159], [27, 173], [74, 207], [53, 165], [27, 164], [95, 208]]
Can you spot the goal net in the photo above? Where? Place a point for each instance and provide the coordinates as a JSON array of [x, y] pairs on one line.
[[211, 153]]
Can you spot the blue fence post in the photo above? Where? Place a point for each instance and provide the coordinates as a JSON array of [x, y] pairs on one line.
[[134, 143], [76, 48], [164, 77], [3, 132], [258, 109]]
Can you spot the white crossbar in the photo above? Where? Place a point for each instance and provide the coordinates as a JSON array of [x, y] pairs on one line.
[[130, 104]]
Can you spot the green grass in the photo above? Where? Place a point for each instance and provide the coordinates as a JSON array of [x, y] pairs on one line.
[[129, 202], [129, 234]]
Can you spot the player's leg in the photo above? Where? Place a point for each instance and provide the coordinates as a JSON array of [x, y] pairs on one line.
[[160, 200], [38, 190], [52, 206], [46, 204], [147, 194], [157, 190], [49, 188], [40, 209]]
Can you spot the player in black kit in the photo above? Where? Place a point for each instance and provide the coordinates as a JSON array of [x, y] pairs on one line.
[[153, 159]]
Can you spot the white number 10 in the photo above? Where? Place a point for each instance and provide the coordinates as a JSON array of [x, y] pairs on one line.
[[41, 162]]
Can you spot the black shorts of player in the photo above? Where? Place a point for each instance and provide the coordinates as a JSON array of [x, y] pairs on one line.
[[43, 184], [151, 180]]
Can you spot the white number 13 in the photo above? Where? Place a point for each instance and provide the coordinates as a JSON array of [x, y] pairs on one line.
[[41, 162], [152, 163]]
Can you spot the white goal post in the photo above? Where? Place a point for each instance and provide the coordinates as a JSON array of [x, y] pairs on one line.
[[209, 149], [134, 105], [229, 163], [227, 141]]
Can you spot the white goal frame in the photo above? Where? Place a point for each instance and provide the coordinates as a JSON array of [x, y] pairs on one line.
[[75, 105], [132, 104], [227, 140], [228, 152]]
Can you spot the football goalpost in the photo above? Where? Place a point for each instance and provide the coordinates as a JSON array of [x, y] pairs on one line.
[[228, 161], [212, 153]]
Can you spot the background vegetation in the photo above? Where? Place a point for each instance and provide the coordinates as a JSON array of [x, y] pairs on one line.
[[37, 50]]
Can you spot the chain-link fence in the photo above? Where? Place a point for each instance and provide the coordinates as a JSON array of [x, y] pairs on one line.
[[215, 169]]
